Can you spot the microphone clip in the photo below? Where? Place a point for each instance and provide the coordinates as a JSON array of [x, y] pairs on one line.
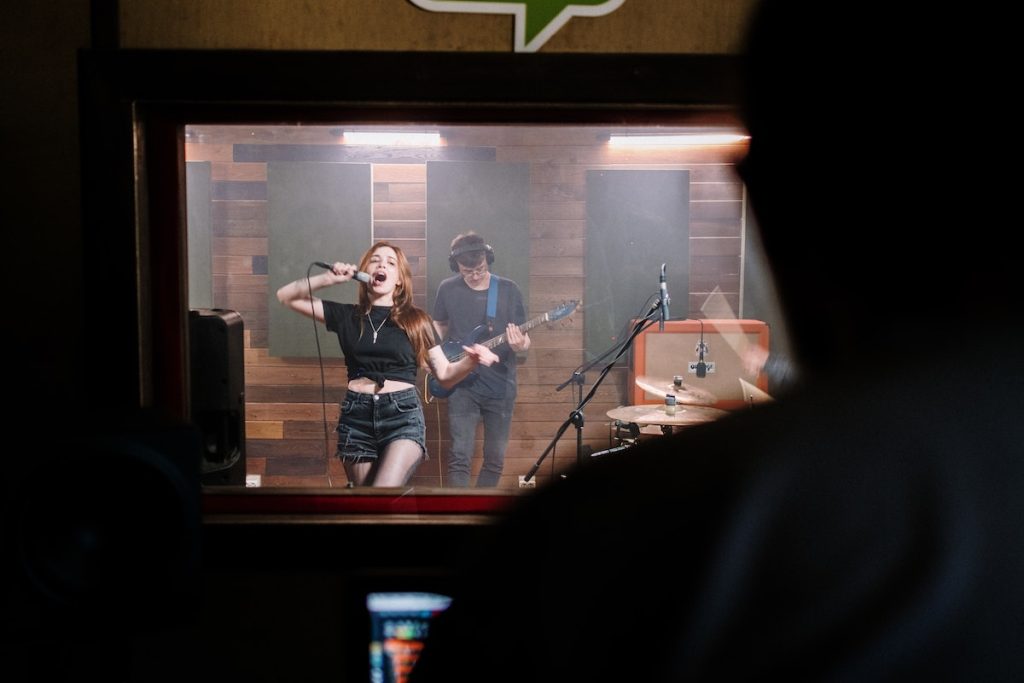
[[701, 368]]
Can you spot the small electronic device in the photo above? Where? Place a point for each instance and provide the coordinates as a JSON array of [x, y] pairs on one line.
[[399, 625], [391, 612]]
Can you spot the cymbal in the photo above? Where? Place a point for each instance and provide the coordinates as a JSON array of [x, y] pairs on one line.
[[653, 414], [684, 393], [752, 394]]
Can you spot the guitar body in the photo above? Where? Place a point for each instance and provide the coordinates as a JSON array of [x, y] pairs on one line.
[[452, 348]]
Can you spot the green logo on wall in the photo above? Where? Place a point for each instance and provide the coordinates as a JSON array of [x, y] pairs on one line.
[[536, 20]]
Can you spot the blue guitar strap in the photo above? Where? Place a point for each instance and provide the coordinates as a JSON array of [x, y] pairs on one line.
[[492, 303]]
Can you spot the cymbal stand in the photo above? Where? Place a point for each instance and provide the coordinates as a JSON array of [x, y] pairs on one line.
[[576, 416]]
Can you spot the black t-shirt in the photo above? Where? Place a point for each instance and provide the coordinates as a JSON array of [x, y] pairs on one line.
[[390, 357], [464, 310]]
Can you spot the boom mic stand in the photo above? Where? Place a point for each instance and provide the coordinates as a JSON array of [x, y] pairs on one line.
[[576, 416], [578, 376]]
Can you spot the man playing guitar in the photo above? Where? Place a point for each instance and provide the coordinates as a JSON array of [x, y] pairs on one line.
[[461, 312]]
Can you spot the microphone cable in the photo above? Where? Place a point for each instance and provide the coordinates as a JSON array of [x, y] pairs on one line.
[[427, 399], [323, 381]]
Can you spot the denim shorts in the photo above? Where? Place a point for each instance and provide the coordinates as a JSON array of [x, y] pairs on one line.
[[369, 422]]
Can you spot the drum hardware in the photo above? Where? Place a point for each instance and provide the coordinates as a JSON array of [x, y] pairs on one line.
[[611, 451], [576, 417], [631, 430]]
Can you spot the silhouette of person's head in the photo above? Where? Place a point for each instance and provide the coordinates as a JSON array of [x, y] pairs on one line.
[[864, 526], [866, 195]]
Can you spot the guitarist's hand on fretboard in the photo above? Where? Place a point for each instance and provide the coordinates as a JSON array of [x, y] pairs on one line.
[[517, 340]]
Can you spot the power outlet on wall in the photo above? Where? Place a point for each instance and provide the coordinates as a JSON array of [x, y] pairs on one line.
[[523, 484]]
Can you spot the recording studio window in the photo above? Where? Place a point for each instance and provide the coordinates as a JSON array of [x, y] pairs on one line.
[[590, 220]]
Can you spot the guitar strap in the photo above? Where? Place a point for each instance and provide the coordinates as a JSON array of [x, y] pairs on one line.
[[492, 303]]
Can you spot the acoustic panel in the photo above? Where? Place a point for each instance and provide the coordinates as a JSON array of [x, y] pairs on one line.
[[636, 221], [200, 261], [675, 351], [315, 212], [490, 198]]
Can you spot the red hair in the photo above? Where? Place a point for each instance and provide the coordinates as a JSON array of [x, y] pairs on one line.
[[413, 321]]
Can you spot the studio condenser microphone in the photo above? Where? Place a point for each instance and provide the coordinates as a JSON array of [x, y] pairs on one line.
[[663, 295]]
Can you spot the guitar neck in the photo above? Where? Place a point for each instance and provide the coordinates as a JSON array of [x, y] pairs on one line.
[[525, 327], [500, 339]]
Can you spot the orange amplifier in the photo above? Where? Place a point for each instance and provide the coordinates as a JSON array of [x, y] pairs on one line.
[[706, 355]]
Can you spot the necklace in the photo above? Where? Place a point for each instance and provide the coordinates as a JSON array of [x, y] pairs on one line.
[[377, 329]]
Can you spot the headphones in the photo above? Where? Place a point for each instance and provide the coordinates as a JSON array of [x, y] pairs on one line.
[[465, 249]]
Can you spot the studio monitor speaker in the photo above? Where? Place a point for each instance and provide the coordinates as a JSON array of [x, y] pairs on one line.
[[217, 373]]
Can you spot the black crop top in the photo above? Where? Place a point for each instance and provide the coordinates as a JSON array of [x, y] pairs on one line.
[[390, 357]]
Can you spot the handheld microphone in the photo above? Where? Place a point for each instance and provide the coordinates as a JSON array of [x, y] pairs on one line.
[[664, 300], [360, 275]]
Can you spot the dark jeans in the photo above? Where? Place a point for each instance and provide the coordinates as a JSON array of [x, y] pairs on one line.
[[465, 411]]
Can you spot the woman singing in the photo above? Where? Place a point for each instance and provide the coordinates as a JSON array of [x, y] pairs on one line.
[[385, 339]]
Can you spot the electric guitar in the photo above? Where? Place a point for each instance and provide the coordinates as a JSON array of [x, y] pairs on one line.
[[453, 351]]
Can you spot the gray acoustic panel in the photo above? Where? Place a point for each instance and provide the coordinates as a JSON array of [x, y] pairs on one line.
[[315, 212], [200, 262], [490, 198], [636, 220]]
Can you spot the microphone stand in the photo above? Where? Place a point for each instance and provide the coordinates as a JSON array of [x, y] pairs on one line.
[[578, 376], [576, 416]]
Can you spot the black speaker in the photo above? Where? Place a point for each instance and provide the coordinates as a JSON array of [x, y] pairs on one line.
[[217, 363]]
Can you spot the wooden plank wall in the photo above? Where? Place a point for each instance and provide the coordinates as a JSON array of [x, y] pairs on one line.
[[288, 411]]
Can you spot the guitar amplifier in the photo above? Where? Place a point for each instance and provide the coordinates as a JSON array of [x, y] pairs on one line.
[[705, 353], [217, 374]]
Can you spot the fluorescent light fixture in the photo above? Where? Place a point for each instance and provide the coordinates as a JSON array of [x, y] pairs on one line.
[[678, 140], [392, 138]]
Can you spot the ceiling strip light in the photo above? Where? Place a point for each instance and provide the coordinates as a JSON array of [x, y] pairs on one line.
[[391, 138], [688, 139]]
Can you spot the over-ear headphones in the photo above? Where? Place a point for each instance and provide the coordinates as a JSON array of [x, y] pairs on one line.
[[465, 249]]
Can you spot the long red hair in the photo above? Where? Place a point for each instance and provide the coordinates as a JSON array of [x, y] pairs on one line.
[[414, 321]]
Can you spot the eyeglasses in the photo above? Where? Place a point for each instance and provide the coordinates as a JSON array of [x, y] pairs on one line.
[[476, 272]]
